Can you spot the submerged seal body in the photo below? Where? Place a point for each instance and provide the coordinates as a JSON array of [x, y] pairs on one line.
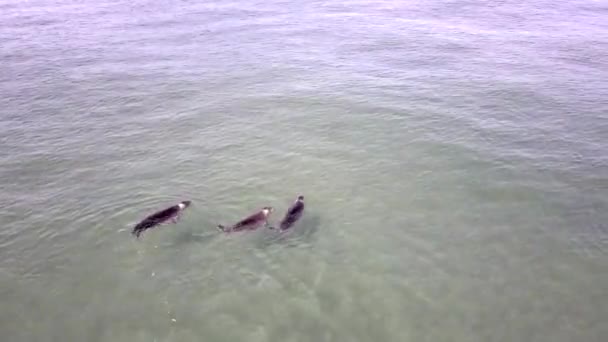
[[252, 222], [293, 214], [160, 217]]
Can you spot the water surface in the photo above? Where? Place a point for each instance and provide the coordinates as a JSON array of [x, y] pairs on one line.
[[453, 156]]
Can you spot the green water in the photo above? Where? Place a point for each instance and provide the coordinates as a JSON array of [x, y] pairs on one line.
[[452, 155]]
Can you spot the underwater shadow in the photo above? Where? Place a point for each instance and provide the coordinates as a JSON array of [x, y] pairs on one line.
[[302, 233], [188, 237]]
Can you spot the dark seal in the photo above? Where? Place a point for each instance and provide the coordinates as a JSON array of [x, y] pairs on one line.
[[251, 222], [170, 214], [293, 214]]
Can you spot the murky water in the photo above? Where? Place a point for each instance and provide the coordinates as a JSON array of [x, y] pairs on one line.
[[453, 156]]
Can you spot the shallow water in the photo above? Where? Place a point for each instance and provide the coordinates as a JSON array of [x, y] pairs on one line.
[[453, 156]]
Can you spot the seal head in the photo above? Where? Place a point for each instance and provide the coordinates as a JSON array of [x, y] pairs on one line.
[[184, 204]]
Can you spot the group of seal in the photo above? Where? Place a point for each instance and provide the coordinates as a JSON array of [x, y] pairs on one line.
[[251, 222]]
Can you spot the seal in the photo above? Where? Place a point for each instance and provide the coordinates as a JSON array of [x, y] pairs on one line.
[[293, 214], [251, 222], [169, 214]]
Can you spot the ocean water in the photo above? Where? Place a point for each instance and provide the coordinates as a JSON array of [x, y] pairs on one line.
[[453, 156]]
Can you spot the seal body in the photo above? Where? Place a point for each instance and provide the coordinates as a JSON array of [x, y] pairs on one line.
[[293, 214], [251, 222], [169, 214]]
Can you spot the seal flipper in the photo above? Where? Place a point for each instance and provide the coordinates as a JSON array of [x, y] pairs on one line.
[[136, 232]]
